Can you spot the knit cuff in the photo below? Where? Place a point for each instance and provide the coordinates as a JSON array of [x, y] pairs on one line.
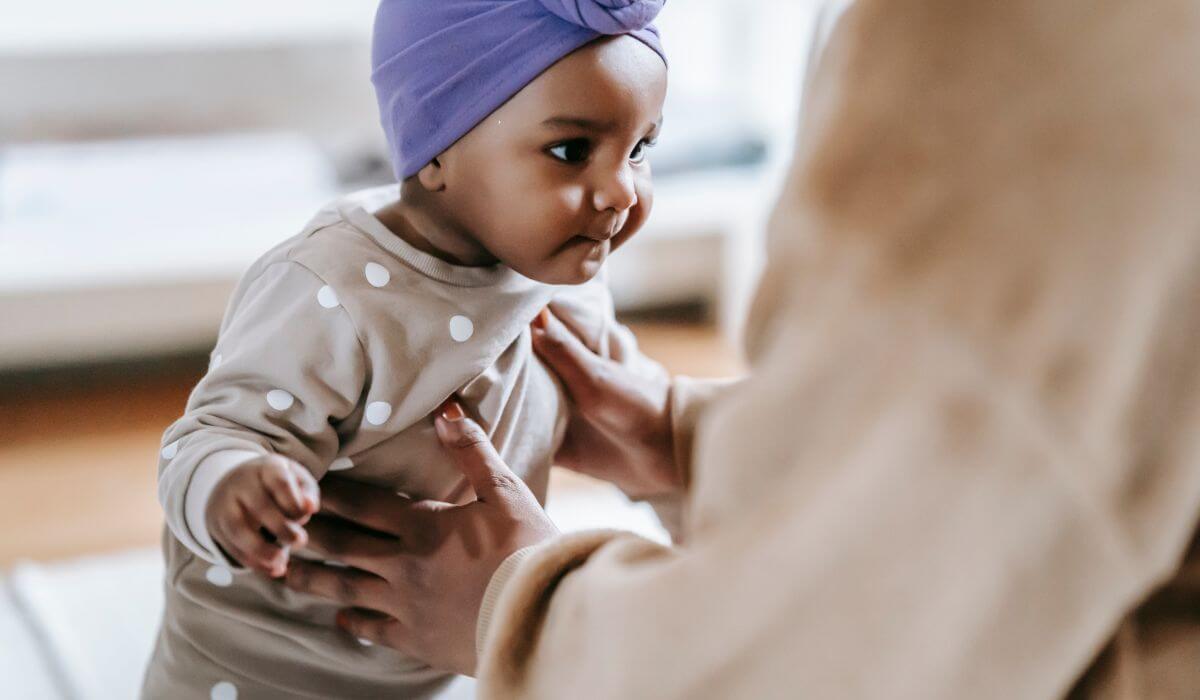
[[208, 474], [495, 587], [688, 400]]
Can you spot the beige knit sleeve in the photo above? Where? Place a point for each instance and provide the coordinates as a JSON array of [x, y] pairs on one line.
[[287, 369], [969, 449], [688, 400]]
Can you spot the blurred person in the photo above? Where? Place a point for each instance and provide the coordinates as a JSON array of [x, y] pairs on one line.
[[519, 132], [966, 463]]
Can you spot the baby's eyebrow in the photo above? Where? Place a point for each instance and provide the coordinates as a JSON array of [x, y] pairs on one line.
[[579, 123], [600, 127]]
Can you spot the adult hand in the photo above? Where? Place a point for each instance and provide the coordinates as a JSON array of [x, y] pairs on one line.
[[620, 423], [418, 570]]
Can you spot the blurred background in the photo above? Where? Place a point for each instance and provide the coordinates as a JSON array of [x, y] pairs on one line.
[[150, 151]]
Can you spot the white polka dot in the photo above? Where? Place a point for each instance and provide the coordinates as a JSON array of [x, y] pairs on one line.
[[461, 328], [365, 642], [327, 297], [378, 412], [219, 576], [223, 691], [215, 362], [341, 463], [170, 450], [377, 274], [280, 400]]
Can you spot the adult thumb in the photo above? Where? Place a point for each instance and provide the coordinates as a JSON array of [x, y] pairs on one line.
[[473, 453], [566, 355]]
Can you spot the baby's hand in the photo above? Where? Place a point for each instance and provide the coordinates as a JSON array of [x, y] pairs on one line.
[[259, 509]]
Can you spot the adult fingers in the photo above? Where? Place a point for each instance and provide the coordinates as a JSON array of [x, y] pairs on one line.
[[342, 541], [374, 627], [473, 453], [370, 506], [341, 585], [576, 365]]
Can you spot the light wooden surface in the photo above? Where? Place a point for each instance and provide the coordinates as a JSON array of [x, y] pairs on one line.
[[78, 451]]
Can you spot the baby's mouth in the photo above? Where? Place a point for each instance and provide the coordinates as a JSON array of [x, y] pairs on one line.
[[607, 234]]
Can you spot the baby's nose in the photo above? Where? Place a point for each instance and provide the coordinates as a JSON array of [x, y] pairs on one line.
[[616, 191]]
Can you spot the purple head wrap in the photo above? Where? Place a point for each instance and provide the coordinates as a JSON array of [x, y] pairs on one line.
[[441, 66]]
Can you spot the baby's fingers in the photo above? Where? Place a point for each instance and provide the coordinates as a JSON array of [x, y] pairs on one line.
[[243, 541], [291, 486], [308, 488], [262, 511]]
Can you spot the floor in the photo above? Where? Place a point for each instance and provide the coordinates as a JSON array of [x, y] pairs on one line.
[[78, 448]]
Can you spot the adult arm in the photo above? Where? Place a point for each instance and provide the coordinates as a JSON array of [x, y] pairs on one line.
[[964, 455]]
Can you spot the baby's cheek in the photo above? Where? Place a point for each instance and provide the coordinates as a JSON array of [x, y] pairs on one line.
[[644, 188], [569, 199], [532, 246], [638, 216]]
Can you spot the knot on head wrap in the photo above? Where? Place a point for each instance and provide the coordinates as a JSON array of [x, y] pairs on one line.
[[607, 16], [442, 66]]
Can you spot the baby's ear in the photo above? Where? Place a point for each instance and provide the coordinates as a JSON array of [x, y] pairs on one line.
[[432, 177]]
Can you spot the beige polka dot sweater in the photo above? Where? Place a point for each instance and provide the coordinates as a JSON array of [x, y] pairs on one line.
[[336, 347]]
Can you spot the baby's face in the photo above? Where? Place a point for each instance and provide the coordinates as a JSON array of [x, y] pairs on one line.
[[558, 178]]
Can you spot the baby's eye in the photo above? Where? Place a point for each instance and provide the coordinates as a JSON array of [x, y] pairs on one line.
[[573, 151], [639, 151]]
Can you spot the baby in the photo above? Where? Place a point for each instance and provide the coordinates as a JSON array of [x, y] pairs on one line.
[[518, 131]]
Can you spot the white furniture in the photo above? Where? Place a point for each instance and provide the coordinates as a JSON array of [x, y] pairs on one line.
[[115, 245]]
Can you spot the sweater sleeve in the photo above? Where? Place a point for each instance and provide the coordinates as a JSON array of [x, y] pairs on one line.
[[968, 448], [287, 369], [688, 401], [912, 529]]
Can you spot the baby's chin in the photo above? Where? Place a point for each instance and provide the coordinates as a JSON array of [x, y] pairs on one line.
[[577, 263]]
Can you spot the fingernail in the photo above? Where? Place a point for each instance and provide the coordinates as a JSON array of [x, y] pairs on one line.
[[539, 321], [452, 411]]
